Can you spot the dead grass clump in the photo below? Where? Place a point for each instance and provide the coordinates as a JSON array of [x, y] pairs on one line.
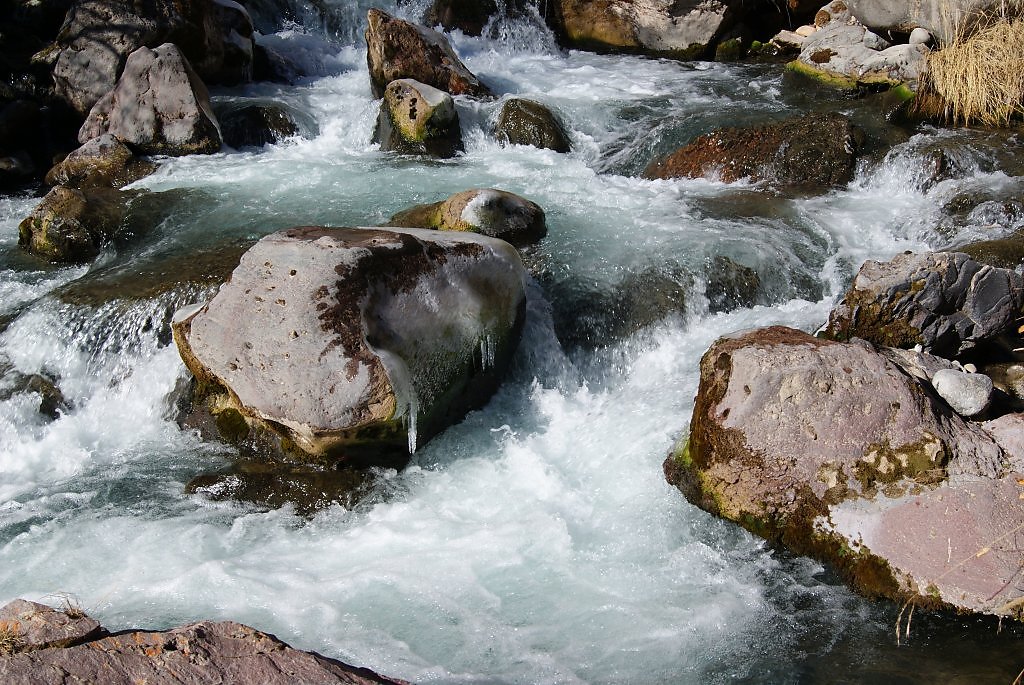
[[978, 76], [10, 640]]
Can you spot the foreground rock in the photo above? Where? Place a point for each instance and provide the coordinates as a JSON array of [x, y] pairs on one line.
[[354, 345], [397, 49], [487, 211], [838, 452], [72, 225], [683, 30], [525, 122], [807, 152], [55, 647], [103, 161], [159, 107], [845, 53], [944, 301], [416, 118]]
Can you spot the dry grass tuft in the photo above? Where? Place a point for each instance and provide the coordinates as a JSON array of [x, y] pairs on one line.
[[71, 607], [10, 640], [978, 76]]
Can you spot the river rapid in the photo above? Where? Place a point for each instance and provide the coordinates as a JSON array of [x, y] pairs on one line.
[[537, 541]]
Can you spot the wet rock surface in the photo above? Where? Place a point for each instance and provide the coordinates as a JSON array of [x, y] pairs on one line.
[[944, 301], [159, 106], [838, 452], [56, 647], [525, 122], [72, 225], [385, 337], [103, 161], [397, 49], [809, 152], [416, 118], [487, 211], [256, 126]]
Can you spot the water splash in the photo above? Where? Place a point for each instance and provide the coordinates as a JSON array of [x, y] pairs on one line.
[[410, 421], [488, 352]]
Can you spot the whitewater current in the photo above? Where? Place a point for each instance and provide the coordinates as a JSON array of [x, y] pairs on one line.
[[536, 541]]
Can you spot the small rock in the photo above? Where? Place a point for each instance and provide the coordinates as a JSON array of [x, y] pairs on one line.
[[103, 161], [835, 11], [159, 106], [525, 122], [256, 126], [805, 30], [967, 393], [920, 36], [730, 285], [418, 119], [487, 211]]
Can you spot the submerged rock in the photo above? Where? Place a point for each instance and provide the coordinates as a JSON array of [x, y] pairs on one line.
[[837, 452], [525, 122], [806, 152], [71, 225], [944, 301], [486, 211], [397, 49], [469, 16], [354, 345], [159, 106], [64, 646], [416, 118], [257, 125], [731, 285], [103, 161]]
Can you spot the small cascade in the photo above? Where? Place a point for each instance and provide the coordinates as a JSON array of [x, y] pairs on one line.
[[410, 422], [488, 350]]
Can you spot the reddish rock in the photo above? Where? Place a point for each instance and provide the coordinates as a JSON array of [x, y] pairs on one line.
[[38, 626], [811, 151]]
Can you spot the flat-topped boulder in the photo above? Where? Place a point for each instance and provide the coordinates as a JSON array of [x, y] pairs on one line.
[[841, 452], [397, 49], [354, 345], [50, 646]]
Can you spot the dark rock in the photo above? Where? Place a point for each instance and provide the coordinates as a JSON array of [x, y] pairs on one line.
[[72, 225], [103, 161], [944, 301], [808, 152], [405, 330], [487, 211], [731, 285], [469, 16], [38, 626], [418, 119], [159, 106], [51, 400], [1003, 253], [525, 122], [836, 451], [205, 652], [397, 49], [256, 126]]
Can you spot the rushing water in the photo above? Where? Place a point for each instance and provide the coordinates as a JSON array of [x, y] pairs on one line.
[[537, 540]]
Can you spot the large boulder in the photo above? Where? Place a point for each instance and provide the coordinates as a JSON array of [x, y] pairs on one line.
[[346, 345], [938, 17], [845, 53], [944, 301], [98, 36], [102, 161], [70, 225], [415, 118], [812, 151], [487, 211], [159, 106], [838, 452], [525, 122], [397, 49], [683, 29], [65, 646]]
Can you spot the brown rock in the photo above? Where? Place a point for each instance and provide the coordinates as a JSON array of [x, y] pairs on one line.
[[486, 211], [397, 49], [38, 626], [807, 152], [525, 122], [103, 161], [71, 225]]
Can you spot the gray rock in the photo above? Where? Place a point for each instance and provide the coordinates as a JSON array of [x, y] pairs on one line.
[[484, 210], [920, 36], [1008, 431], [159, 106], [944, 301], [847, 54], [102, 161], [835, 11], [968, 394], [416, 118], [937, 16], [525, 122], [397, 49], [354, 345], [835, 451], [38, 626], [198, 653]]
